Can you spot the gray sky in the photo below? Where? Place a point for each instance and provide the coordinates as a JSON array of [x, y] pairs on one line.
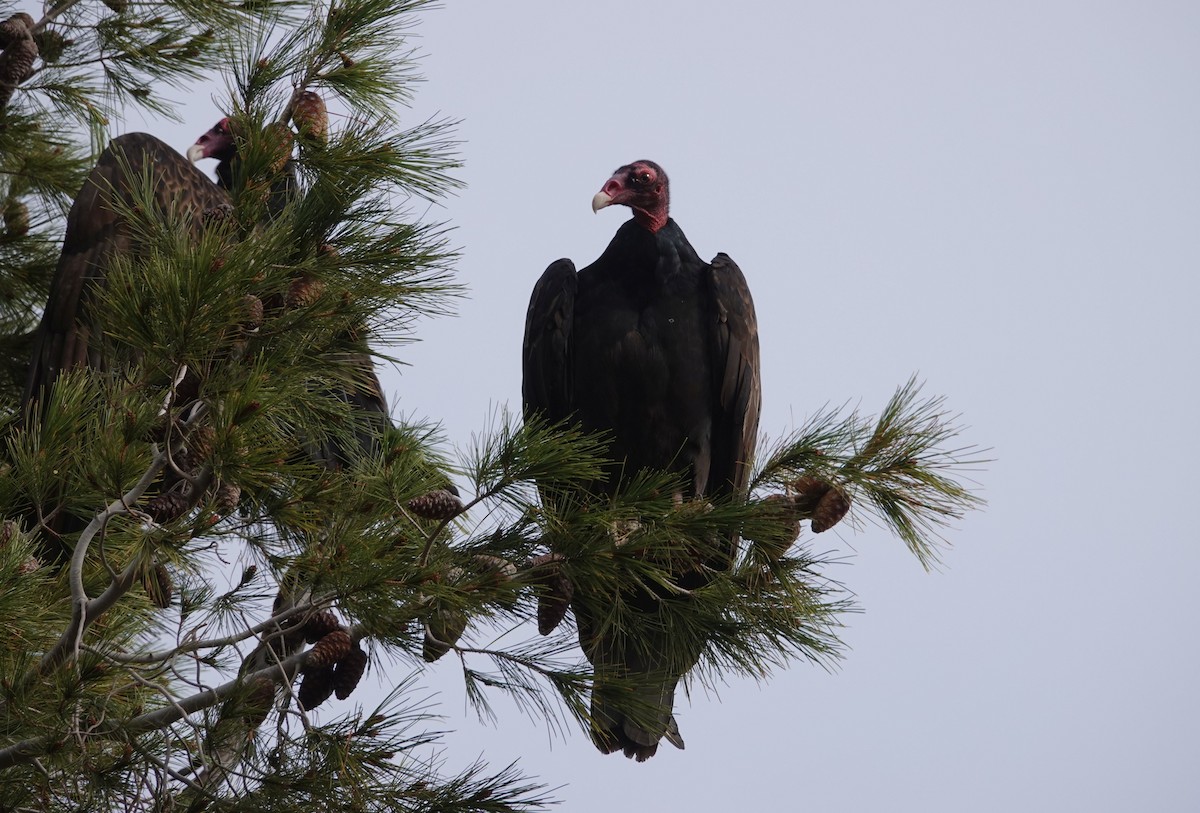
[[1003, 198]]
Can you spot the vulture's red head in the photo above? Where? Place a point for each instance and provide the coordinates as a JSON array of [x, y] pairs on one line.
[[644, 188], [216, 143]]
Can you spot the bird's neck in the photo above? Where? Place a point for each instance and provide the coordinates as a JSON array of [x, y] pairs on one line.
[[650, 219], [225, 174]]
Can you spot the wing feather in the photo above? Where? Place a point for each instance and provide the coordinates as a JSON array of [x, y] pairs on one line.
[[738, 385], [546, 383]]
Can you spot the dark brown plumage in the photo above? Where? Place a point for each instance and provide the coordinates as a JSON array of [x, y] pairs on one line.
[[69, 335], [658, 349]]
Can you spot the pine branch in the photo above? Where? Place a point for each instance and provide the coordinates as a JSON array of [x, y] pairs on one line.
[[903, 468]]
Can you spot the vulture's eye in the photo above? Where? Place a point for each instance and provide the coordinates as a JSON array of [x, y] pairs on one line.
[[641, 178]]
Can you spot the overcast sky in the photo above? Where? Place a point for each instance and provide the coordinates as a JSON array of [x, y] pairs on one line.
[[1004, 200]]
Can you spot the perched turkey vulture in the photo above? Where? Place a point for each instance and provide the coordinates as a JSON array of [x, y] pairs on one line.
[[69, 333], [658, 349]]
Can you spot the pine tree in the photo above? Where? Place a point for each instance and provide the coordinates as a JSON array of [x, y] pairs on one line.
[[194, 649]]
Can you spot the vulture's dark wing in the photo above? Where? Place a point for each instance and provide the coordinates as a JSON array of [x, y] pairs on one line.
[[739, 391], [68, 335], [547, 388], [368, 411]]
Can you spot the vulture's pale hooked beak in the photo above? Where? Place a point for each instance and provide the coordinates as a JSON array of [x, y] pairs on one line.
[[601, 200], [195, 152]]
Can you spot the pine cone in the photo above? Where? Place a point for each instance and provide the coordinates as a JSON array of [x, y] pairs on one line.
[[168, 507], [16, 27], [557, 592], [497, 569], [833, 506], [158, 585], [279, 143], [439, 504], [445, 628], [51, 44], [226, 500], [311, 117], [304, 291], [117, 5], [29, 565], [329, 650], [252, 313], [200, 445], [16, 218], [776, 544], [16, 63], [319, 625], [349, 672], [218, 215], [808, 492], [315, 688], [248, 575]]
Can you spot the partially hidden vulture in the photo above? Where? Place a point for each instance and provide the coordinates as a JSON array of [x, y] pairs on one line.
[[658, 350], [69, 335]]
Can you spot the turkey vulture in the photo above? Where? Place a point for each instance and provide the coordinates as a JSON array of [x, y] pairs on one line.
[[658, 350], [95, 232], [71, 326]]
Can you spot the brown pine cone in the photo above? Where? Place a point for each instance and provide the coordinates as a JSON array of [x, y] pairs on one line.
[[200, 444], [315, 688], [776, 544], [329, 650], [445, 628], [218, 215], [279, 143], [311, 117], [16, 65], [226, 500], [17, 27], [159, 586], [439, 504], [248, 575], [321, 624], [16, 218], [252, 313], [832, 507], [51, 44], [304, 291], [496, 569], [168, 507], [556, 594], [808, 492], [349, 672]]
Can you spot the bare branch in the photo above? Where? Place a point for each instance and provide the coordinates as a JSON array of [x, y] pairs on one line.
[[281, 671]]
